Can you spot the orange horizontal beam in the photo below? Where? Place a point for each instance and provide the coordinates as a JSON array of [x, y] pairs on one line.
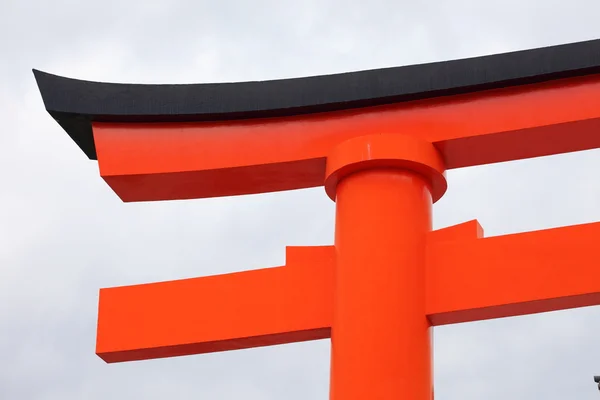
[[468, 279], [165, 161], [217, 313], [472, 279]]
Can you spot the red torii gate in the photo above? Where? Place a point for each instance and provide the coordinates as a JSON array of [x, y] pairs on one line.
[[380, 142]]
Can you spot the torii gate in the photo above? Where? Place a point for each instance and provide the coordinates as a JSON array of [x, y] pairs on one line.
[[379, 141]]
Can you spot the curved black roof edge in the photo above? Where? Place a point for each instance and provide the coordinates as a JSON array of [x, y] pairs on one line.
[[75, 103]]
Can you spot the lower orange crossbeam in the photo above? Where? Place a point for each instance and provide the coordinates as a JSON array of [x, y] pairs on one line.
[[475, 279], [217, 313], [468, 278]]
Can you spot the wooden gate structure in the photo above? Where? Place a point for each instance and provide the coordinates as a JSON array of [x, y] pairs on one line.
[[379, 141]]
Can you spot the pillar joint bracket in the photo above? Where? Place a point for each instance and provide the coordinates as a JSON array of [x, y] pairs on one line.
[[386, 151]]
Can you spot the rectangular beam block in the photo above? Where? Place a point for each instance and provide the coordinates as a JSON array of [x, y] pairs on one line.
[[217, 313], [473, 279]]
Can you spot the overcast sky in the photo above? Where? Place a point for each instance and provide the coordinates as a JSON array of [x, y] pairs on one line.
[[64, 234]]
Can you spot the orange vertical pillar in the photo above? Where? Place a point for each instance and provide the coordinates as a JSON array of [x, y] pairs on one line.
[[384, 186]]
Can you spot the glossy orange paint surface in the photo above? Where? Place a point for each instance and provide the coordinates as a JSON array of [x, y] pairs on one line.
[[470, 279], [217, 313], [384, 152], [193, 160], [380, 338], [388, 279], [467, 279]]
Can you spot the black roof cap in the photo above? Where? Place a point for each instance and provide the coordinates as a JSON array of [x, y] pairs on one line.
[[75, 103]]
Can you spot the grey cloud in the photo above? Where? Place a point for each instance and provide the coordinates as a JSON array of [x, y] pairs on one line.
[[64, 234]]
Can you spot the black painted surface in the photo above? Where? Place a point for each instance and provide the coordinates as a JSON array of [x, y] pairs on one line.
[[74, 103]]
